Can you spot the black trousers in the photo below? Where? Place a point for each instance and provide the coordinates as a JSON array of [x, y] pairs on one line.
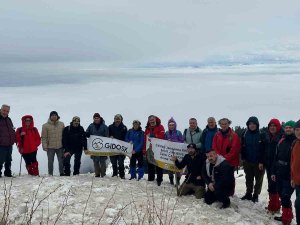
[[137, 157], [77, 161], [117, 162], [5, 157], [218, 195], [29, 158], [151, 173], [272, 185]]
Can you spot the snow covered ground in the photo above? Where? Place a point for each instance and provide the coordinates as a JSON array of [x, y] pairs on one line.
[[84, 199]]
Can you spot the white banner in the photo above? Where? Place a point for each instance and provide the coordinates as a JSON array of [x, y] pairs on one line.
[[161, 152], [103, 146]]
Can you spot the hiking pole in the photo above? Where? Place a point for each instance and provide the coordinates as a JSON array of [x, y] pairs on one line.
[[20, 166]]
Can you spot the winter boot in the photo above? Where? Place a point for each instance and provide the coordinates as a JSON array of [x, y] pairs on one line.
[[247, 196], [278, 218], [255, 198], [7, 171], [274, 203], [226, 204], [287, 216]]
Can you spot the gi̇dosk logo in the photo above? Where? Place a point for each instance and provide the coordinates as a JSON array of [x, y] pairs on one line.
[[97, 144]]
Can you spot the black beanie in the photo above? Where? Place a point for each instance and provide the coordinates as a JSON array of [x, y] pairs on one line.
[[53, 113]]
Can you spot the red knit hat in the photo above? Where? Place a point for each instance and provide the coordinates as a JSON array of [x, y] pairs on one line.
[[276, 122]]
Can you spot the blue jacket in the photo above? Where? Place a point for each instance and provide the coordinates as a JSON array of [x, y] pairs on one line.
[[137, 138], [253, 145], [207, 137]]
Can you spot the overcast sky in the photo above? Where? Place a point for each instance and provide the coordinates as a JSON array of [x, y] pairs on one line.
[[142, 31]]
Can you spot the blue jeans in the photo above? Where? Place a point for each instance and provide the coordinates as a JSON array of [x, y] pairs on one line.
[[297, 204]]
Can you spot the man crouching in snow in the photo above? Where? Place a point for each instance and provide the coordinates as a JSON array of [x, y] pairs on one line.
[[218, 175], [193, 183]]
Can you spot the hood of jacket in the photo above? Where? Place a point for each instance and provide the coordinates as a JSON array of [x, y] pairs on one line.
[[173, 121], [277, 124], [254, 120], [24, 123]]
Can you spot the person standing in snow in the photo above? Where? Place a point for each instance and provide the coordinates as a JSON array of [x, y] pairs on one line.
[[52, 141], [118, 131], [135, 135], [28, 140], [98, 128], [194, 181], [7, 139], [208, 134], [227, 144], [219, 178], [295, 168], [192, 135], [273, 135], [154, 129], [74, 141], [174, 135], [253, 147], [281, 172]]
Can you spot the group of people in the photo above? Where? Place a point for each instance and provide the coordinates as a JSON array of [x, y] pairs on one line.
[[213, 155]]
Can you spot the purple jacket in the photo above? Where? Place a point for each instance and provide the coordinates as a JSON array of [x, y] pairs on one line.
[[174, 135], [7, 132]]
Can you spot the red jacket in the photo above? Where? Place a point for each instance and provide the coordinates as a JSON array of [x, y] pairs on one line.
[[157, 132], [228, 145], [31, 140], [295, 163]]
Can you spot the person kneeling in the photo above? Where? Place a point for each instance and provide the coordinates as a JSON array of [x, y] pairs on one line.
[[219, 177], [194, 163]]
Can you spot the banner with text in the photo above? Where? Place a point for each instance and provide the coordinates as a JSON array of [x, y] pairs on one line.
[[161, 152], [103, 146]]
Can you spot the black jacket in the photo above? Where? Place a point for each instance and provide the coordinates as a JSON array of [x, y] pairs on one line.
[[253, 146], [194, 167], [282, 160], [220, 174], [74, 139], [271, 143], [118, 132]]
